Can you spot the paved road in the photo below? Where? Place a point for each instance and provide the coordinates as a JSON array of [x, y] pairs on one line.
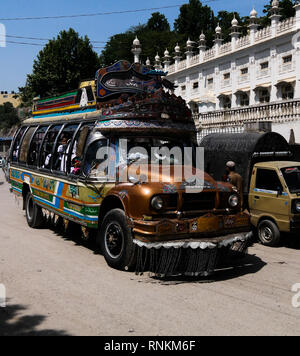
[[57, 286]]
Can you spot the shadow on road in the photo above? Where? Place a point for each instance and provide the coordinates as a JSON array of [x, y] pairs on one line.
[[73, 233], [11, 324], [230, 269], [236, 268]]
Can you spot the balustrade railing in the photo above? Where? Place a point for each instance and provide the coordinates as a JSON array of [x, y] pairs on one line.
[[288, 110]]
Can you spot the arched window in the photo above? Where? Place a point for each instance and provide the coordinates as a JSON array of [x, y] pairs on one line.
[[287, 92], [35, 146], [226, 102], [244, 99], [74, 164], [63, 148], [48, 145], [25, 144], [16, 148], [264, 96]]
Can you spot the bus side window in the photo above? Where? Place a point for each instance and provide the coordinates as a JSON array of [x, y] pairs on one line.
[[25, 144], [35, 146], [78, 149], [63, 148], [47, 148], [92, 162], [16, 147]]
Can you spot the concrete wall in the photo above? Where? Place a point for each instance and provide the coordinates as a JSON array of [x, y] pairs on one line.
[[284, 129]]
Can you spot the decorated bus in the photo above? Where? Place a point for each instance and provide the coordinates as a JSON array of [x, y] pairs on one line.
[[107, 157]]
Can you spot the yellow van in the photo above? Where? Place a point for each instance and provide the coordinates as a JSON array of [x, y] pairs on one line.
[[271, 178], [274, 199]]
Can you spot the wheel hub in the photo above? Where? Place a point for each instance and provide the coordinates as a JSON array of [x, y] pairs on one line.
[[114, 240], [267, 233]]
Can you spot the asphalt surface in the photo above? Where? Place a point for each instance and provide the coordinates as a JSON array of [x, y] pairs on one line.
[[56, 285]]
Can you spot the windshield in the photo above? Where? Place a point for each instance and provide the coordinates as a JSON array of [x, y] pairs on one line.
[[105, 159], [149, 150], [292, 178]]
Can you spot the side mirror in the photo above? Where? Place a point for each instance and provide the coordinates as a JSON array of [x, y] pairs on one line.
[[279, 191]]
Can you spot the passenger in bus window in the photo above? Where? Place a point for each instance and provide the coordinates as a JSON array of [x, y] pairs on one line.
[[75, 166], [47, 161], [33, 154], [75, 161], [61, 153]]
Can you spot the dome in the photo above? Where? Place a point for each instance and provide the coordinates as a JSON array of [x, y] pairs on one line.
[[166, 53], [136, 42], [234, 22], [177, 48], [218, 29], [202, 37], [189, 43], [275, 3], [157, 58], [253, 14], [148, 63]]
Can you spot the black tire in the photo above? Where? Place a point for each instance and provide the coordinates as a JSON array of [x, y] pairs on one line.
[[268, 233], [34, 215], [115, 241]]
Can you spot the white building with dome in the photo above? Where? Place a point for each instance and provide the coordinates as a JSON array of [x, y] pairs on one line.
[[249, 82]]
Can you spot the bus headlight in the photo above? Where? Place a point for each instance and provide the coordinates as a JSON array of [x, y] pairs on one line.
[[157, 203], [233, 201]]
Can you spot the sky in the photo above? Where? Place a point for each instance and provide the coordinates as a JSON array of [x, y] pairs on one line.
[[16, 60]]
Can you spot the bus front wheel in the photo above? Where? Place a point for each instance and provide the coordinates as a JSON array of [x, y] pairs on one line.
[[34, 215], [115, 240]]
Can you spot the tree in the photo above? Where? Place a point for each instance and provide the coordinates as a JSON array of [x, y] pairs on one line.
[[153, 42], [225, 18], [195, 18], [60, 66], [118, 47], [158, 23], [286, 11], [8, 116]]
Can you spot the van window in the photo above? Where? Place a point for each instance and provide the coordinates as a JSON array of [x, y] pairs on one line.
[[16, 148], [63, 148], [268, 180], [292, 178], [48, 145], [25, 145], [35, 146]]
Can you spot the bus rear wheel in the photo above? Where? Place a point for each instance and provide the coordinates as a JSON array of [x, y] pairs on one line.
[[115, 241], [34, 215]]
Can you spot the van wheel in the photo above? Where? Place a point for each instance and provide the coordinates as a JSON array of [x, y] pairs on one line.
[[115, 240], [268, 233], [34, 215]]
